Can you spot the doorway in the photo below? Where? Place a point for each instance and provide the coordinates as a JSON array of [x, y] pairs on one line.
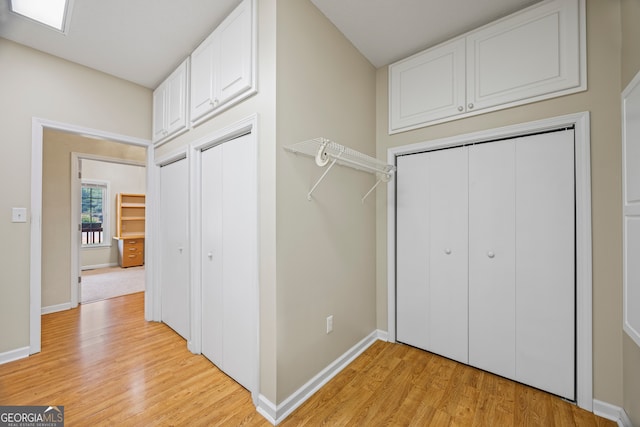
[[95, 183], [57, 301]]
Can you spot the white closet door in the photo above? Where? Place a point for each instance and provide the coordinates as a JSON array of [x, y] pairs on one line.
[[239, 255], [545, 262], [229, 264], [432, 252], [492, 257], [448, 253], [412, 241], [174, 246], [212, 265]]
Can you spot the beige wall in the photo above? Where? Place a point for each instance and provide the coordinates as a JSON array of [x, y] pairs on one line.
[[34, 84], [630, 15], [602, 100], [325, 247], [56, 205], [264, 105], [122, 178]]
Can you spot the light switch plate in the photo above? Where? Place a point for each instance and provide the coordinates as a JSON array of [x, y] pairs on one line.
[[18, 214]]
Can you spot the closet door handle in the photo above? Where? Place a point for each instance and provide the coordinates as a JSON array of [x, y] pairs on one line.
[[490, 254], [210, 255], [447, 251]]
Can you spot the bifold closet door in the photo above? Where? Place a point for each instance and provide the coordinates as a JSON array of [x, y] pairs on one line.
[[492, 318], [432, 250], [545, 262], [174, 246], [522, 260], [229, 258]]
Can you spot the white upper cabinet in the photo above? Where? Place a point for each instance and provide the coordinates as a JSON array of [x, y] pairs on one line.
[[170, 104], [428, 86], [222, 67], [535, 54], [531, 53]]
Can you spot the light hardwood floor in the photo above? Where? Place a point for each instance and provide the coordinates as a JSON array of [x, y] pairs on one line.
[[107, 366]]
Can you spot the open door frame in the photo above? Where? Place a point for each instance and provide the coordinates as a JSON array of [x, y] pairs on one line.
[[35, 258]]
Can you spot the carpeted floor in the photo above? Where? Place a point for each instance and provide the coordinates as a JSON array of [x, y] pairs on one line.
[[104, 283]]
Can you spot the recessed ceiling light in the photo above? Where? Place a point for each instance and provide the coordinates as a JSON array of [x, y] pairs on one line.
[[47, 12]]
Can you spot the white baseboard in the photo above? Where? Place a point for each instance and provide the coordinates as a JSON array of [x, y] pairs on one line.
[[10, 356], [55, 308], [611, 412], [276, 413], [94, 267]]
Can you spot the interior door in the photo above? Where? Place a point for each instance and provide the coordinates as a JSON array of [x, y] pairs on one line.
[[174, 246], [492, 320], [229, 264]]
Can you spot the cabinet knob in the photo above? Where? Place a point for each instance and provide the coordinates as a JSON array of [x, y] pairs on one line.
[[447, 251], [180, 249], [210, 255], [470, 106], [490, 254], [460, 108]]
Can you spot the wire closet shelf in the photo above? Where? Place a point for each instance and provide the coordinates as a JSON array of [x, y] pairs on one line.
[[325, 151]]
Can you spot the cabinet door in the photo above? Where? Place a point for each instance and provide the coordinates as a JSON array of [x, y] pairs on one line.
[[545, 262], [202, 79], [174, 246], [159, 110], [176, 105], [492, 257], [233, 74], [427, 86], [528, 54]]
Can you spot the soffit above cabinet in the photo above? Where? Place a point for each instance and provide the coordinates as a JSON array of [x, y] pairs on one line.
[[385, 31]]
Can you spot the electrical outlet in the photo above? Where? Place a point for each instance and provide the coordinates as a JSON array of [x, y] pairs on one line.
[[329, 323]]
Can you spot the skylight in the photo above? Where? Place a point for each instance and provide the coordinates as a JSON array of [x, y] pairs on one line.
[[47, 12]]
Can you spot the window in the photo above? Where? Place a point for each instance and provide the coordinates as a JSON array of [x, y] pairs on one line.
[[48, 12], [95, 196]]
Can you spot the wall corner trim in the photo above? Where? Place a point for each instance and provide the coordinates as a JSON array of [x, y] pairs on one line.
[[611, 412], [276, 413]]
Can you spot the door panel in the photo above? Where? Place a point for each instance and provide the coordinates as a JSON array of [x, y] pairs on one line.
[[412, 290], [229, 258], [448, 253], [212, 262], [545, 262], [174, 246], [239, 275], [492, 257]]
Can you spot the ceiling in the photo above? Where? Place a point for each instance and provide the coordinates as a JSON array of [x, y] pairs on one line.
[[142, 41]]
